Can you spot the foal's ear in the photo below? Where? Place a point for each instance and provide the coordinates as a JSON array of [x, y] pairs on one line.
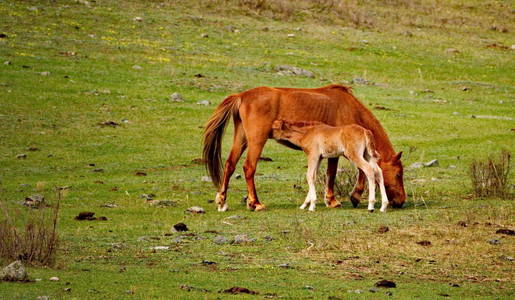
[[397, 157], [277, 124]]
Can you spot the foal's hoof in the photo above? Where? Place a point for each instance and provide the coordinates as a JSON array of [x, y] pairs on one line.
[[334, 204], [224, 207], [355, 201], [259, 207]]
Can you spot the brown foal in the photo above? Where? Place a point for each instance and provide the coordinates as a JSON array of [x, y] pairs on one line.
[[320, 141]]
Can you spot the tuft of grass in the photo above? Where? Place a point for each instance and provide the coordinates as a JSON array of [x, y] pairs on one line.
[[35, 243], [343, 184], [490, 176]]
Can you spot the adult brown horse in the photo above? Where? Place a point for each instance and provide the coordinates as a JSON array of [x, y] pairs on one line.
[[255, 110]]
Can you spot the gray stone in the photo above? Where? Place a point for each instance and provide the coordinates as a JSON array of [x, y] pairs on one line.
[[45, 73], [362, 81], [285, 266], [494, 242], [14, 272], [204, 102], [54, 278], [220, 240], [160, 248], [243, 239], [196, 210], [34, 201], [295, 71], [176, 97], [137, 67], [206, 179], [432, 163], [21, 156]]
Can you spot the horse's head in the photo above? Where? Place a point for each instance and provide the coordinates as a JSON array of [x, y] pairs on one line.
[[393, 180], [277, 129]]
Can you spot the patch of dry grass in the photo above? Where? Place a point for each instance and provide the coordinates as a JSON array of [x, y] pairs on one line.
[[35, 243], [490, 176]]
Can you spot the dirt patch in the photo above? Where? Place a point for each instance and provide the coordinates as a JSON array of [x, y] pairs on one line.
[[239, 290]]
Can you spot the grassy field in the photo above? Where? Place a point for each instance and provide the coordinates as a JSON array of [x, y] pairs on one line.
[[430, 67]]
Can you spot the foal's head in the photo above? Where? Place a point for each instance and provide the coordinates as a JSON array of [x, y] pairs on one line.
[[393, 180]]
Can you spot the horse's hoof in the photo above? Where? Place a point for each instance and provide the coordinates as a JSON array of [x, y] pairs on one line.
[[334, 204], [302, 207], [371, 210], [383, 210], [355, 201], [259, 207], [223, 208]]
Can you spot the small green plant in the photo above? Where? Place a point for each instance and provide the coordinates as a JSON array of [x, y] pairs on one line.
[[490, 176], [35, 243]]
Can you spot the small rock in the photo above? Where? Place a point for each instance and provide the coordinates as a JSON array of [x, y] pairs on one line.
[[507, 258], [220, 240], [206, 179], [204, 102], [15, 271], [196, 210], [373, 290], [290, 70], [180, 227], [362, 81], [388, 293], [204, 35], [243, 239], [285, 266], [68, 290], [505, 231], [355, 291], [308, 287], [109, 205], [45, 73], [176, 97], [140, 173], [385, 284], [291, 35], [462, 223], [383, 229], [237, 176], [455, 113], [432, 163], [108, 123], [235, 217], [160, 248], [137, 67], [34, 201], [7, 62], [148, 197], [137, 19], [21, 156], [55, 278], [268, 238], [494, 242], [207, 262]]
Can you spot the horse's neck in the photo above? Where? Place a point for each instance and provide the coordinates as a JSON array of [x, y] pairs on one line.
[[383, 145]]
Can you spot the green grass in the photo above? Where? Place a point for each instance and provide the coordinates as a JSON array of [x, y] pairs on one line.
[[59, 114]]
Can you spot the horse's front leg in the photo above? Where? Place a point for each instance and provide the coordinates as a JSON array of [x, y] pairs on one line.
[[332, 167], [249, 168], [359, 187]]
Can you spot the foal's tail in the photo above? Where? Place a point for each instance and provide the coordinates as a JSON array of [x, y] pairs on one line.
[[370, 146], [213, 133]]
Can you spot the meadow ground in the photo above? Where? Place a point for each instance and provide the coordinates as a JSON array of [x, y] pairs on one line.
[[425, 69]]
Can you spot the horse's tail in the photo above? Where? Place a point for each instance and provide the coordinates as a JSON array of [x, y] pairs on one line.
[[213, 133], [370, 145]]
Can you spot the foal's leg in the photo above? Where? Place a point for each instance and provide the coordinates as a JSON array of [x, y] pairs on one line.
[[380, 182], [311, 198], [359, 187], [239, 145], [332, 167], [365, 166]]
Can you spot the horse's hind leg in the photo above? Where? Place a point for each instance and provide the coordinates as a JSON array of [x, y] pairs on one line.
[[332, 167], [238, 146], [311, 198], [367, 169], [255, 145]]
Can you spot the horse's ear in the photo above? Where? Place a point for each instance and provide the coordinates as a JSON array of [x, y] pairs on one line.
[[397, 156]]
